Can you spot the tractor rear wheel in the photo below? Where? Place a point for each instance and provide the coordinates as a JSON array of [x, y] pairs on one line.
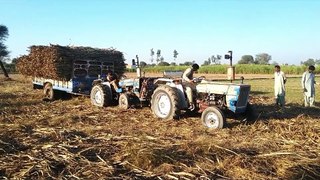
[[100, 95], [48, 92], [213, 117], [165, 103]]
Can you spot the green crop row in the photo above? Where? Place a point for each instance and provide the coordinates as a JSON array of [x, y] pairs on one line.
[[240, 69]]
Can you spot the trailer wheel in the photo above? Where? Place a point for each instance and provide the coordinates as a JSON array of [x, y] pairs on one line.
[[124, 101], [212, 117], [165, 103], [100, 95], [48, 92]]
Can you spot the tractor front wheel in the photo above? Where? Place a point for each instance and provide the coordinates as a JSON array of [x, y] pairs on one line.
[[124, 102], [212, 117]]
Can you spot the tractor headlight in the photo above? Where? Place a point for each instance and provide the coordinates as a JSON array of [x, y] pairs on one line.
[[233, 103]]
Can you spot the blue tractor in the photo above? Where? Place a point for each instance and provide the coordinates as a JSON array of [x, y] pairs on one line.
[[167, 98]]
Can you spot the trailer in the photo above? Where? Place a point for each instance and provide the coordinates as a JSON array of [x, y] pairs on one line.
[[84, 72]]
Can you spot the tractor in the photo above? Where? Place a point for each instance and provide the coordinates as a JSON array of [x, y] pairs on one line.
[[133, 92], [167, 98], [212, 99]]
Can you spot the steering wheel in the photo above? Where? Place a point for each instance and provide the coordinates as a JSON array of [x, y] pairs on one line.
[[199, 79]]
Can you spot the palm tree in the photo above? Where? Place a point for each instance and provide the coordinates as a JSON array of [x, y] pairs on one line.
[[175, 54]]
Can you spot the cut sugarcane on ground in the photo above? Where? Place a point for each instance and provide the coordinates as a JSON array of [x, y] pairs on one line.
[[72, 139]]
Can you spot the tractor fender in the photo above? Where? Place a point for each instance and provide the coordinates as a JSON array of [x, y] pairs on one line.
[[183, 104], [97, 81]]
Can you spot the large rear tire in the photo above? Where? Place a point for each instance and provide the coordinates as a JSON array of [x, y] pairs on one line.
[[212, 117], [165, 103], [100, 95]]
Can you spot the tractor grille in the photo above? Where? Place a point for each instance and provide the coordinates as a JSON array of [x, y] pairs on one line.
[[243, 96]]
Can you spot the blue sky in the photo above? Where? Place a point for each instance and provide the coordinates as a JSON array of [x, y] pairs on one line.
[[286, 29]]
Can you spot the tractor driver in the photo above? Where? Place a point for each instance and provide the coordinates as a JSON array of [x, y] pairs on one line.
[[187, 79], [112, 78]]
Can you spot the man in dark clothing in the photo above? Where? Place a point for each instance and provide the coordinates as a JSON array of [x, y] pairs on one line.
[[187, 79]]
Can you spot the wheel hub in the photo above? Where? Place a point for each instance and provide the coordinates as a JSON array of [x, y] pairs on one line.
[[212, 120], [98, 97], [164, 105]]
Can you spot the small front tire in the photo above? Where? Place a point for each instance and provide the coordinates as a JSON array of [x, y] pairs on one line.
[[124, 102], [213, 118]]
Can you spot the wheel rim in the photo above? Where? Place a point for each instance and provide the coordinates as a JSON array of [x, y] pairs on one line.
[[211, 120], [164, 105], [48, 92], [98, 97], [123, 102]]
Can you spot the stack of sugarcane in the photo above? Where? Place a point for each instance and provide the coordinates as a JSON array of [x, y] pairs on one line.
[[56, 62]]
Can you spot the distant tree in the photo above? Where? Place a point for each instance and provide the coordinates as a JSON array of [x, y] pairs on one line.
[[215, 59], [158, 55], [309, 62], [262, 58], [143, 64], [175, 54], [246, 59], [4, 33], [161, 59], [317, 62], [206, 62], [163, 63], [151, 54], [187, 63], [173, 64], [209, 60]]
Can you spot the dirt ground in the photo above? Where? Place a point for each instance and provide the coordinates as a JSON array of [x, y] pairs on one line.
[[70, 139]]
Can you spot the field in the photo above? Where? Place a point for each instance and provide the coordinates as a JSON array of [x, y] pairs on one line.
[[240, 69], [71, 139]]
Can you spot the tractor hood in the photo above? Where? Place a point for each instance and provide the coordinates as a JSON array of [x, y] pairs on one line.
[[236, 95], [220, 88]]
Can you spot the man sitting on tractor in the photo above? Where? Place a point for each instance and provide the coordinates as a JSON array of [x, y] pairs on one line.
[[189, 84], [113, 79]]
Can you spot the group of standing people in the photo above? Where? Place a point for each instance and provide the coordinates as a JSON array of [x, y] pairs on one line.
[[307, 83]]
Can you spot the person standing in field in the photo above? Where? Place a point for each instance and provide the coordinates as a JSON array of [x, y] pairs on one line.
[[279, 86], [307, 82]]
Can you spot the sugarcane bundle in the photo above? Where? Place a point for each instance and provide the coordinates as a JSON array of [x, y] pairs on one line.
[[56, 62]]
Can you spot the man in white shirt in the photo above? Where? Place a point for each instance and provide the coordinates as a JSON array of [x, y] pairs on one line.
[[187, 79], [279, 86], [307, 82]]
